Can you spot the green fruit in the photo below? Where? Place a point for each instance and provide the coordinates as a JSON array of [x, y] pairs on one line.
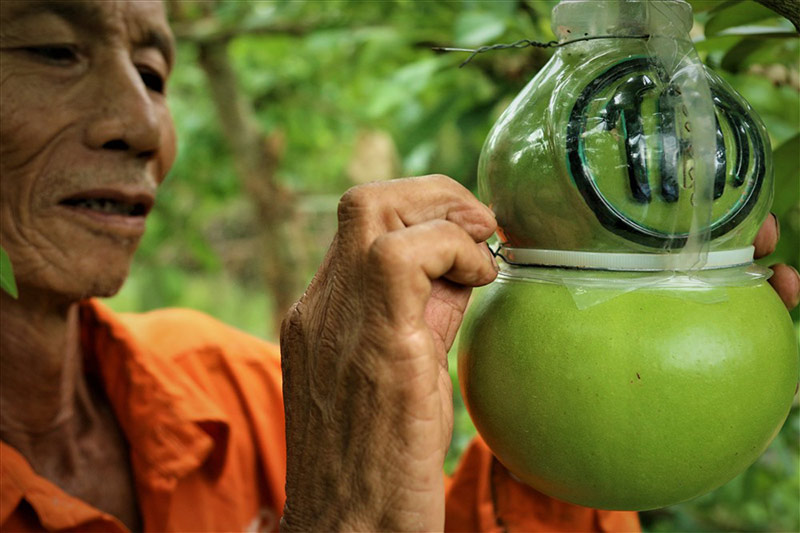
[[641, 401]]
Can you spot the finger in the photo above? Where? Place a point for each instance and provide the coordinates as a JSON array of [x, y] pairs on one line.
[[406, 261], [786, 282], [378, 208], [767, 237], [444, 313]]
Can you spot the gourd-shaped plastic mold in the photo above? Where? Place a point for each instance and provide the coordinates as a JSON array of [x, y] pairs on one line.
[[630, 354]]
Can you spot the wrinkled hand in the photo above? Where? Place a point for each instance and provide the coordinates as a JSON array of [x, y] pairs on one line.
[[367, 394], [785, 279]]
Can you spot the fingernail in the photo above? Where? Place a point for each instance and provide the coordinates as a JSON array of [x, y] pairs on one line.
[[777, 226], [490, 255], [796, 299], [489, 210]]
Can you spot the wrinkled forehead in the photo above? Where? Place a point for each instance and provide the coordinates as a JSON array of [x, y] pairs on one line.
[[142, 23]]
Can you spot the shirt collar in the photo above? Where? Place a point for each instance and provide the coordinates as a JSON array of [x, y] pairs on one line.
[[171, 424], [55, 509]]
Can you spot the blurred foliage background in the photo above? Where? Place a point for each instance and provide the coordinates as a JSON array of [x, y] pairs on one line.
[[281, 106]]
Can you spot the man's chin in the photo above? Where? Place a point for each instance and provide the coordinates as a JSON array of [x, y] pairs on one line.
[[101, 275], [62, 294], [84, 285], [70, 266], [105, 288]]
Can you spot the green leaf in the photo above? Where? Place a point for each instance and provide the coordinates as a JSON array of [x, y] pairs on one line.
[[786, 204], [700, 6], [737, 15], [736, 58], [749, 51], [405, 83], [475, 28], [7, 282], [787, 176], [718, 6], [760, 32]]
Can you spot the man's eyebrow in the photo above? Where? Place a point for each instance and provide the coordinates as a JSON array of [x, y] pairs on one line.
[[161, 41], [76, 12], [81, 13]]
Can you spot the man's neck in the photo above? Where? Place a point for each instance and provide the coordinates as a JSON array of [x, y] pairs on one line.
[[60, 421], [42, 360]]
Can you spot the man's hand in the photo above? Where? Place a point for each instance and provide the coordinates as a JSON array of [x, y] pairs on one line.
[[367, 394], [785, 279]]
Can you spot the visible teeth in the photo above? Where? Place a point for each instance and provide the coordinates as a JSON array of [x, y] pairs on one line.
[[106, 206]]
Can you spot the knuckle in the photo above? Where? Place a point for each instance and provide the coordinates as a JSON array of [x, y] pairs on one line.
[[447, 182], [357, 202], [292, 341], [389, 252], [441, 225], [449, 231], [442, 183], [292, 323], [441, 178]]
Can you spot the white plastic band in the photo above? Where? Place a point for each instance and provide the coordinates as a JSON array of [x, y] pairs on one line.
[[620, 261]]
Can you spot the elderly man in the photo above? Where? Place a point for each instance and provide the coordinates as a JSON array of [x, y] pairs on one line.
[[172, 421]]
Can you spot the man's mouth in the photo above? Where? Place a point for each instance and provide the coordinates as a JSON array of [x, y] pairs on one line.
[[109, 206], [111, 202]]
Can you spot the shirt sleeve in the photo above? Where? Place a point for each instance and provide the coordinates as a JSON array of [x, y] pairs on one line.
[[482, 496]]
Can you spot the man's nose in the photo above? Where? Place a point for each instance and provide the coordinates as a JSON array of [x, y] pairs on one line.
[[124, 116]]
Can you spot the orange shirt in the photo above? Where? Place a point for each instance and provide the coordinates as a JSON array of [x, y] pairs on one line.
[[201, 407]]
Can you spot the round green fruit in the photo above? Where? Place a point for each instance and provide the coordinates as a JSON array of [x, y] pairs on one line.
[[647, 399]]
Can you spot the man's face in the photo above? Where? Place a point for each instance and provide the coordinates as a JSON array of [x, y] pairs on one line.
[[85, 138]]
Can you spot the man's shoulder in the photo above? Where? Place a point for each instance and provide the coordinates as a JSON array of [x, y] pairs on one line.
[[171, 372], [177, 334], [177, 330]]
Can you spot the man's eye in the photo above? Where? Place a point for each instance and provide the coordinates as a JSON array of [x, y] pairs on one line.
[[53, 53], [152, 80]]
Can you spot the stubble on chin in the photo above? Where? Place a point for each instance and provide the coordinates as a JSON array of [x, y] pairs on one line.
[[104, 287], [71, 275], [103, 279]]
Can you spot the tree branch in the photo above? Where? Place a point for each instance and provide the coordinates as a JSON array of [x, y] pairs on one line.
[[211, 30], [256, 159], [787, 8]]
